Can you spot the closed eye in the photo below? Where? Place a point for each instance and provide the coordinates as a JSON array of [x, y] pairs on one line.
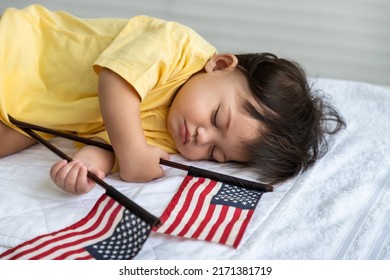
[[211, 153], [213, 118]]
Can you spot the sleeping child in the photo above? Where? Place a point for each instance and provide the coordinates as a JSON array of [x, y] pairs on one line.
[[151, 88]]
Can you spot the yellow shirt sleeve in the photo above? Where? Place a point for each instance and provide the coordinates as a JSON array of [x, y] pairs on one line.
[[148, 52]]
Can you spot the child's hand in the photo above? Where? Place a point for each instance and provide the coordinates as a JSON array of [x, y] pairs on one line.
[[143, 165], [72, 176]]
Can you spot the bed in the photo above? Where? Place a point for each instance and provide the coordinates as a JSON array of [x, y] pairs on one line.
[[339, 209]]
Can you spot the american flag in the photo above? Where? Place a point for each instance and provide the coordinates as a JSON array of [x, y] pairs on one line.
[[109, 231], [208, 210]]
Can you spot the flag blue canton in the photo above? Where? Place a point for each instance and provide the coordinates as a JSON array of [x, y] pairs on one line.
[[125, 242], [238, 197]]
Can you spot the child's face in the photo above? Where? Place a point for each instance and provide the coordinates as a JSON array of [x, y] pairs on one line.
[[206, 119]]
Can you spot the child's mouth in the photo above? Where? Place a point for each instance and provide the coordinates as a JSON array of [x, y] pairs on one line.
[[184, 134]]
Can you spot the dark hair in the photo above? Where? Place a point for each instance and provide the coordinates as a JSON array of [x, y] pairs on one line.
[[294, 119]]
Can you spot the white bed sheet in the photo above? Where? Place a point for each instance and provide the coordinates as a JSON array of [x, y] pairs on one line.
[[339, 209]]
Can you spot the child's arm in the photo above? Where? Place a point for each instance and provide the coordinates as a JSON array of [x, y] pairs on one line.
[[120, 108]]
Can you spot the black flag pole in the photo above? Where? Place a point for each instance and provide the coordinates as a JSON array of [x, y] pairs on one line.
[[194, 171]]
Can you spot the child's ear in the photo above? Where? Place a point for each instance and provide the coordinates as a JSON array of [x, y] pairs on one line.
[[221, 61]]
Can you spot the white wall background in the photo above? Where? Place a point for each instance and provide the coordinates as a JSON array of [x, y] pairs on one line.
[[344, 39]]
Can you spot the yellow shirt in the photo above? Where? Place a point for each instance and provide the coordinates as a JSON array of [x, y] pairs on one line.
[[49, 61]]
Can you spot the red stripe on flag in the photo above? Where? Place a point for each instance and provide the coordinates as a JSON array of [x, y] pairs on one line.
[[229, 226], [217, 224], [184, 206], [198, 208], [242, 229], [172, 205], [207, 218], [89, 257], [75, 252]]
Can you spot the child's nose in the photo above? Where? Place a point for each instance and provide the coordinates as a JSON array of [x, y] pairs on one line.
[[202, 136]]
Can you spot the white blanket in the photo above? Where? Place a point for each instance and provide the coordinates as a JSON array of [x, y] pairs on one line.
[[339, 209]]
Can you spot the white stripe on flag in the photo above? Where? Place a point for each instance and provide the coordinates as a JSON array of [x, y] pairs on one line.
[[212, 221], [203, 211], [179, 205], [175, 211], [83, 254], [236, 228], [190, 211], [221, 228]]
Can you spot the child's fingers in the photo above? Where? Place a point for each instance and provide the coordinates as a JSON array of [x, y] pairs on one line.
[[56, 168], [68, 175], [83, 184], [72, 176], [64, 174]]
